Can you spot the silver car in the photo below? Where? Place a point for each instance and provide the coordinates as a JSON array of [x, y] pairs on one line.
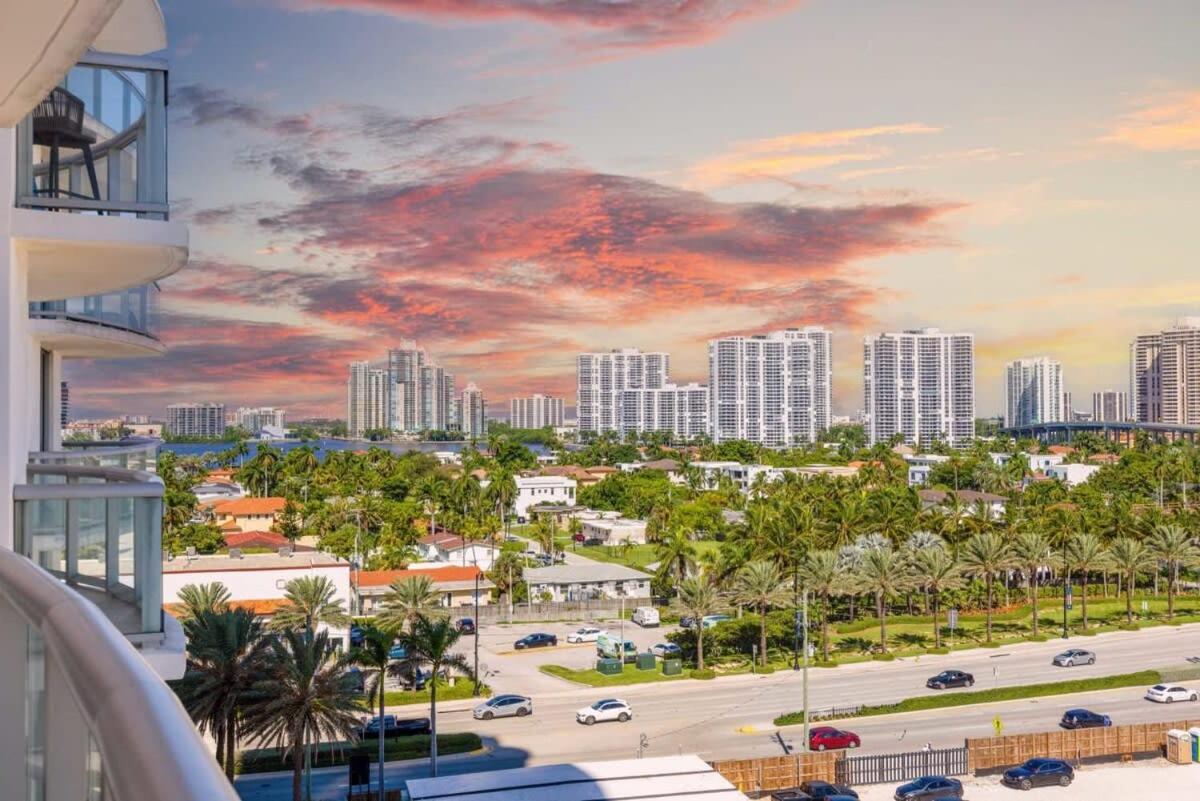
[[504, 706], [1075, 656]]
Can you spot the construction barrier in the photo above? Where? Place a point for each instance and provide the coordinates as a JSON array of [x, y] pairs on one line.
[[1074, 745]]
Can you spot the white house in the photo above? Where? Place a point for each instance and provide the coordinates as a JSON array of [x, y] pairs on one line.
[[1037, 461], [452, 549], [456, 586], [967, 499], [532, 490], [921, 465], [587, 581], [611, 531], [1073, 474]]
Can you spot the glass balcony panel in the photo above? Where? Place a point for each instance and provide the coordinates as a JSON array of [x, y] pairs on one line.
[[131, 310]]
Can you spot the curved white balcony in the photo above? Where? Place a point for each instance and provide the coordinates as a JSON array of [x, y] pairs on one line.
[[131, 453], [92, 214], [116, 325]]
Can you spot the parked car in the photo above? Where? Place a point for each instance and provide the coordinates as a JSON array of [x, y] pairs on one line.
[[544, 559], [585, 634], [1170, 693], [606, 709], [950, 678], [612, 649], [504, 706], [1039, 772], [928, 788], [1084, 719], [1073, 657], [711, 620], [825, 790], [357, 638], [465, 625], [393, 727], [537, 640], [790, 795], [359, 680], [827, 738], [666, 650], [646, 616], [397, 652], [686, 622]]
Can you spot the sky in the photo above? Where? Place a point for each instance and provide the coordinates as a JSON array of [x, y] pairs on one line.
[[513, 182]]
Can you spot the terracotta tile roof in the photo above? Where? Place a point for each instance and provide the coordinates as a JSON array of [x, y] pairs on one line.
[[229, 527], [1061, 449], [250, 506], [259, 606], [255, 539], [602, 469], [1104, 458], [439, 575]]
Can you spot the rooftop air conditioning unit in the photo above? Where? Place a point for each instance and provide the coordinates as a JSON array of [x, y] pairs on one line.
[[235, 553]]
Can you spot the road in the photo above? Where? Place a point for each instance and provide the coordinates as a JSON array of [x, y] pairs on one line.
[[731, 717]]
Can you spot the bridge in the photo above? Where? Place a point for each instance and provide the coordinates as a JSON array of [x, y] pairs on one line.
[[1123, 433]]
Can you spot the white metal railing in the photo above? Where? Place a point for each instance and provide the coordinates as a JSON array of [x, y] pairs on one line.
[[130, 310], [131, 453], [147, 746], [99, 528]]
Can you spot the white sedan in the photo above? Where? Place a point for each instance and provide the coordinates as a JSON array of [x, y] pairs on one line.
[[1170, 693], [606, 709], [585, 634]]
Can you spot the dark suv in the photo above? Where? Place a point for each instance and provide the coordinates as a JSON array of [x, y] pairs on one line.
[[822, 790], [928, 788], [1084, 719], [1039, 772]]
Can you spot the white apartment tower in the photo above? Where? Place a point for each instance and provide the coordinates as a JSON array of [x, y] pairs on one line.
[[368, 399], [404, 367], [196, 419], [774, 389], [602, 377], [255, 419], [680, 410], [1034, 393], [539, 411], [1164, 374], [473, 412], [919, 384], [85, 229], [1110, 406]]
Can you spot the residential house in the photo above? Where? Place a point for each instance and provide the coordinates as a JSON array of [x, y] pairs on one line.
[[1073, 474], [968, 500], [535, 490], [921, 465], [612, 531], [454, 550], [456, 586], [587, 581], [249, 514]]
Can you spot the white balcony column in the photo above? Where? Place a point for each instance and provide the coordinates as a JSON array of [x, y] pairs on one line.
[[13, 633], [67, 738]]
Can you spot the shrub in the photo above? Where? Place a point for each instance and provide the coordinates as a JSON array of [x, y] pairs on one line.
[[936, 651], [1129, 627], [1085, 632], [1039, 638], [703, 674], [765, 670], [832, 663], [883, 657], [992, 644]]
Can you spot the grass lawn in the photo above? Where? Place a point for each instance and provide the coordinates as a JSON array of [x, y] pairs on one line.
[[630, 675], [462, 688], [263, 760], [635, 556]]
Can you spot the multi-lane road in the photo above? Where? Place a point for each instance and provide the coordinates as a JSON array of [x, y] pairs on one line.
[[731, 717]]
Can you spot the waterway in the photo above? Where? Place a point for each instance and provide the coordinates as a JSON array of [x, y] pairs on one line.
[[324, 446]]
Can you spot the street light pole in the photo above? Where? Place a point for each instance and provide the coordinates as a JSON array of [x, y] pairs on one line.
[[804, 678], [1066, 596], [477, 623], [795, 621]]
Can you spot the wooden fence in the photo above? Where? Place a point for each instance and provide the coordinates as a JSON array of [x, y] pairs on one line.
[[884, 768], [777, 773], [1075, 745]]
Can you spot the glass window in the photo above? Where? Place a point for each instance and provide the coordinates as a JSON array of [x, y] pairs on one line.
[[35, 717]]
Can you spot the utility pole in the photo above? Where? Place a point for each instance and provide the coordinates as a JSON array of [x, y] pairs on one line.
[[477, 624], [795, 621], [805, 676], [510, 593], [1066, 602]]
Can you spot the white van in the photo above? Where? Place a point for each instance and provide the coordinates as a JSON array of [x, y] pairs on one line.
[[645, 616]]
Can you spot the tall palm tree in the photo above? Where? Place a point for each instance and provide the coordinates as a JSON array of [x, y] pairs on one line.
[[308, 696], [847, 518], [431, 642], [885, 573], [373, 655], [406, 601], [503, 492], [200, 598], [1032, 551], [936, 570], [308, 601], [698, 598], [431, 492], [676, 554], [1130, 558], [760, 585], [822, 573], [1085, 553], [226, 654], [1173, 546], [986, 556]]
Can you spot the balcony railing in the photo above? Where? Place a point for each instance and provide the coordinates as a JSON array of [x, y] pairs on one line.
[[133, 310], [131, 453], [112, 158], [100, 530], [98, 722]]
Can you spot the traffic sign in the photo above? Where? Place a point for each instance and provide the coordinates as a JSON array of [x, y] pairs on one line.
[[998, 725], [953, 619]]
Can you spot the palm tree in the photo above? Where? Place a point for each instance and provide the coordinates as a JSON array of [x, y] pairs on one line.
[[1032, 552], [1172, 545], [373, 655], [884, 572], [226, 655], [698, 597], [821, 572], [503, 491], [760, 585], [1085, 553], [431, 642], [200, 598], [306, 697], [937, 570], [309, 600], [986, 556], [543, 534], [1130, 558], [406, 601], [676, 554], [431, 491]]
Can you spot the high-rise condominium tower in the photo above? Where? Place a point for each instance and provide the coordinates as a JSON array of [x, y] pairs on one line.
[[196, 419], [368, 399], [473, 411], [1164, 374], [1034, 392], [774, 389], [602, 377], [1110, 406], [538, 411], [920, 384], [680, 410]]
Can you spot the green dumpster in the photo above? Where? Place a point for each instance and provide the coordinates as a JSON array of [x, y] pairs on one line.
[[645, 661], [672, 667], [609, 667]]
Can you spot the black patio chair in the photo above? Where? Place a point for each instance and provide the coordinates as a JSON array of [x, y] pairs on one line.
[[58, 123]]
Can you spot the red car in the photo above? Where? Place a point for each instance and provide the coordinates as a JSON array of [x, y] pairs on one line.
[[827, 738]]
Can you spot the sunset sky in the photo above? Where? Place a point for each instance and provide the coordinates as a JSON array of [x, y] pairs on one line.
[[511, 182]]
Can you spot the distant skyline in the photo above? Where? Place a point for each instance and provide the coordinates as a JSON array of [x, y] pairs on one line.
[[513, 182]]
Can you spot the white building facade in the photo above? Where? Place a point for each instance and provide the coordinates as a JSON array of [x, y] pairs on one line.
[[473, 412], [256, 419], [774, 389], [1033, 391], [680, 410], [532, 490], [368, 399], [1164, 370], [602, 377], [1110, 406], [196, 419], [919, 384], [538, 411]]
